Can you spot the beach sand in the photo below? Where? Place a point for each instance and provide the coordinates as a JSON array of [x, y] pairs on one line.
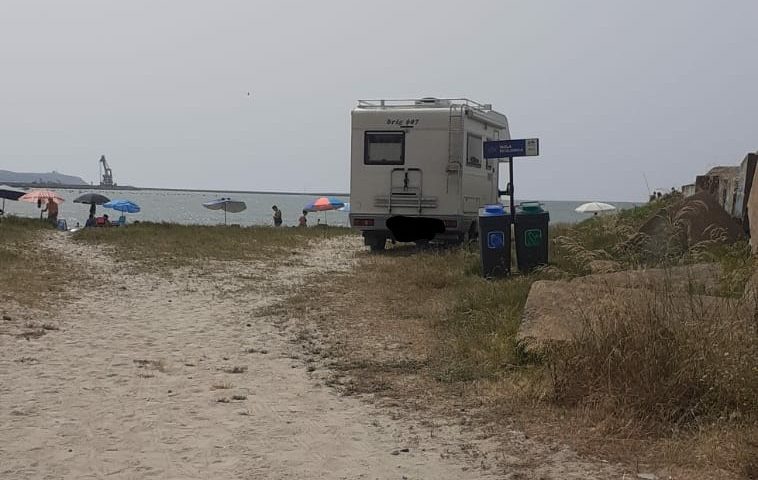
[[188, 374], [181, 376]]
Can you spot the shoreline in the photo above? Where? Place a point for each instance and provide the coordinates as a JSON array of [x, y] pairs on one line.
[[61, 186]]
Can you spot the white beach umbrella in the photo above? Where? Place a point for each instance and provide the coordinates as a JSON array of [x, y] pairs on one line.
[[227, 205], [594, 207]]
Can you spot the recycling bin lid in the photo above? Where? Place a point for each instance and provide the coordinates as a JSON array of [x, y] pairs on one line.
[[493, 210], [530, 207]]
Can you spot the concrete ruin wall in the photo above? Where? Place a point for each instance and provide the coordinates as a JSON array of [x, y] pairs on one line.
[[722, 183], [752, 212], [732, 188], [706, 183], [744, 187]]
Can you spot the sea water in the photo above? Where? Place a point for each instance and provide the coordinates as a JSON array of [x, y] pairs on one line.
[[186, 207]]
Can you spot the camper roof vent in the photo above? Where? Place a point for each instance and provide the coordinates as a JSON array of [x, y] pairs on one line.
[[433, 101]]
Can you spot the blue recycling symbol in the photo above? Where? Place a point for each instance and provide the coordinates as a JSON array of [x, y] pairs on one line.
[[496, 240]]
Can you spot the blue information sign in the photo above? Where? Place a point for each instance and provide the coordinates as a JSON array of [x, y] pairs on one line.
[[524, 147]]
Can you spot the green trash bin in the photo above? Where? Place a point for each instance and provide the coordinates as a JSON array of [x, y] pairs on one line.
[[531, 232]]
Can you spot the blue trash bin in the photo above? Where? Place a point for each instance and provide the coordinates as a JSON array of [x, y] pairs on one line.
[[495, 240]]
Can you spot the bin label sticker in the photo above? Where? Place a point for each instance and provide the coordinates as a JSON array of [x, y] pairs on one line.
[[533, 237], [496, 240]]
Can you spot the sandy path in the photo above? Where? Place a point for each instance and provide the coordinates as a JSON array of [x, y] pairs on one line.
[[129, 387]]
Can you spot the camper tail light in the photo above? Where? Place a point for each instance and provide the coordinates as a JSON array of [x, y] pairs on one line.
[[451, 223], [363, 222]]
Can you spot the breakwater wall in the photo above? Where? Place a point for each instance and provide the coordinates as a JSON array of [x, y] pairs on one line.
[[734, 187]]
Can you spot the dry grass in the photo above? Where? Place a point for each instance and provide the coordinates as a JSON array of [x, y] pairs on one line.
[[418, 326], [475, 320], [671, 382], [677, 370], [673, 362], [31, 277], [421, 329], [169, 245], [669, 370]]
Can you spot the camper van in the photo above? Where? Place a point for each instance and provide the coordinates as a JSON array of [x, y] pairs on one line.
[[417, 170]]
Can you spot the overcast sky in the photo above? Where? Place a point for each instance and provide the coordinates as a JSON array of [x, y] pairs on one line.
[[613, 89]]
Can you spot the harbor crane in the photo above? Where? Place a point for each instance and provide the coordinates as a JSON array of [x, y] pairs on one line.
[[106, 174]]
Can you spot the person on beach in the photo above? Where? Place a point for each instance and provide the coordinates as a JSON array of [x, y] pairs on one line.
[[90, 221], [303, 221], [277, 216], [52, 211]]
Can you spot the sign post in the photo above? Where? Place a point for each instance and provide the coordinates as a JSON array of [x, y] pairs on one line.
[[524, 147]]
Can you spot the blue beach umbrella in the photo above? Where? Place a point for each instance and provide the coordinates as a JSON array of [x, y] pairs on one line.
[[124, 206]]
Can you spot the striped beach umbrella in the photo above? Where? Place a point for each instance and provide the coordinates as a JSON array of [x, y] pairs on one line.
[[323, 204], [41, 196]]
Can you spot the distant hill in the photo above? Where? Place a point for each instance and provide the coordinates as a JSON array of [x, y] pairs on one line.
[[7, 176]]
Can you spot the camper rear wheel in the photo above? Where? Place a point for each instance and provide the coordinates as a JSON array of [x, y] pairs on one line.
[[376, 244]]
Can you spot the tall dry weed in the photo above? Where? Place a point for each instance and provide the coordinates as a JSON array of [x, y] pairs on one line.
[[617, 239], [671, 361]]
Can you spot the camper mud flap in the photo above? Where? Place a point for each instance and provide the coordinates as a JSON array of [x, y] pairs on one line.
[[412, 229]]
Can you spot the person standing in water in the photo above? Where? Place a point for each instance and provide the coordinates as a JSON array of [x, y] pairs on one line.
[[277, 216]]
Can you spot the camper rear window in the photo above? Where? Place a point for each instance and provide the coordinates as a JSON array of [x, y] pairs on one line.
[[384, 148], [474, 149]]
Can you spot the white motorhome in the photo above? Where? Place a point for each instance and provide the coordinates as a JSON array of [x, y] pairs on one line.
[[417, 169]]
